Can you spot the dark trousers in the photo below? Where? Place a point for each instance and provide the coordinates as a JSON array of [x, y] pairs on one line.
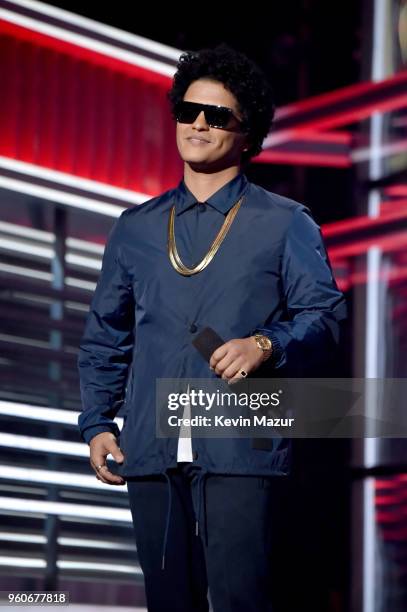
[[232, 553]]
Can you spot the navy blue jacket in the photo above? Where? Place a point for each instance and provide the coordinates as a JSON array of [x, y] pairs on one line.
[[271, 273]]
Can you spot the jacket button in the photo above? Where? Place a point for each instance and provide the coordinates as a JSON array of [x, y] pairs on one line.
[[194, 455], [193, 328]]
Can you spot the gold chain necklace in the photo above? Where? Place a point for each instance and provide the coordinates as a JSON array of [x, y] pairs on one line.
[[172, 247]]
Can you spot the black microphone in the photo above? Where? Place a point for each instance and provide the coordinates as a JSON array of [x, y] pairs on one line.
[[207, 341]]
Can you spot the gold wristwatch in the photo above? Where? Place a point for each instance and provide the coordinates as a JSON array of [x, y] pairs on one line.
[[264, 343]]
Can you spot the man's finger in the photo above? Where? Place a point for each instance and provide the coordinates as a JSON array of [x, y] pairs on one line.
[[233, 371], [107, 476], [98, 462], [238, 376], [98, 457], [225, 363], [218, 354]]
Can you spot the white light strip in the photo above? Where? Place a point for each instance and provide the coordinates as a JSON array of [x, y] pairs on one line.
[[374, 313], [34, 506], [22, 562], [369, 544], [30, 475], [100, 567], [26, 272], [28, 342], [381, 27], [80, 284], [71, 180], [63, 564], [43, 413], [29, 538], [43, 445], [74, 201], [364, 154], [46, 276], [103, 544], [372, 334], [84, 245], [101, 28], [25, 538], [31, 233], [26, 232], [76, 306], [83, 262], [130, 57], [18, 246], [372, 322]]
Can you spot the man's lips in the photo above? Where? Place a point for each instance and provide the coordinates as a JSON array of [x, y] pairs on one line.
[[197, 139]]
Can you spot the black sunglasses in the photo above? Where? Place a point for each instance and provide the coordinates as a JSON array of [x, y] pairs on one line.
[[215, 116]]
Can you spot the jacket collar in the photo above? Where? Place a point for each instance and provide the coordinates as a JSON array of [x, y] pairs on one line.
[[222, 200]]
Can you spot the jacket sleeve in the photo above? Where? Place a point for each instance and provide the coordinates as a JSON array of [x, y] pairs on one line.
[[106, 347], [315, 307]]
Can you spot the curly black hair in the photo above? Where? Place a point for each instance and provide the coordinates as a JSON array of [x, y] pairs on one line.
[[239, 75]]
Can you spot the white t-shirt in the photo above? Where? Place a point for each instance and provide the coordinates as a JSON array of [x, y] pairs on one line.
[[184, 438]]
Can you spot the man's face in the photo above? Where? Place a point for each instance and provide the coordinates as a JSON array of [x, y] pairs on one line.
[[204, 147]]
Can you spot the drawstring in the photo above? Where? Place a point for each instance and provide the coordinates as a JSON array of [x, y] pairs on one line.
[[201, 502], [200, 484], [168, 519]]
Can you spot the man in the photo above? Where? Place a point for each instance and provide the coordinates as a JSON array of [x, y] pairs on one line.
[[203, 507]]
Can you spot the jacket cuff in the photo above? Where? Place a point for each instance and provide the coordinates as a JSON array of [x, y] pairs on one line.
[[277, 357], [91, 432]]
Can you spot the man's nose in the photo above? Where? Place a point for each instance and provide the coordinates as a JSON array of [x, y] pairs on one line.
[[200, 121]]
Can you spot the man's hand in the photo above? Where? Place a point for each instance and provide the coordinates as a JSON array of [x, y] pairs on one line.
[[236, 355], [101, 446]]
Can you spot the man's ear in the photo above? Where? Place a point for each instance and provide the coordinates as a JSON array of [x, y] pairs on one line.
[[247, 147], [248, 144]]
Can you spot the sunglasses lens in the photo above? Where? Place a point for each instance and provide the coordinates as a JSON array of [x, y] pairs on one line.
[[187, 112], [217, 117]]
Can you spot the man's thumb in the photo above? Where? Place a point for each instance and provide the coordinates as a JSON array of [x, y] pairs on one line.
[[116, 453]]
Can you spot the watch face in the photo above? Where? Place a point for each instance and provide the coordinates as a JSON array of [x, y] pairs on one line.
[[264, 342]]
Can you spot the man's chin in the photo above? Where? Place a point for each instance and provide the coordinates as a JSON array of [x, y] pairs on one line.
[[205, 165]]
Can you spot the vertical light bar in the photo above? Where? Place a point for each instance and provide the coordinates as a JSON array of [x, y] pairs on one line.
[[374, 313]]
